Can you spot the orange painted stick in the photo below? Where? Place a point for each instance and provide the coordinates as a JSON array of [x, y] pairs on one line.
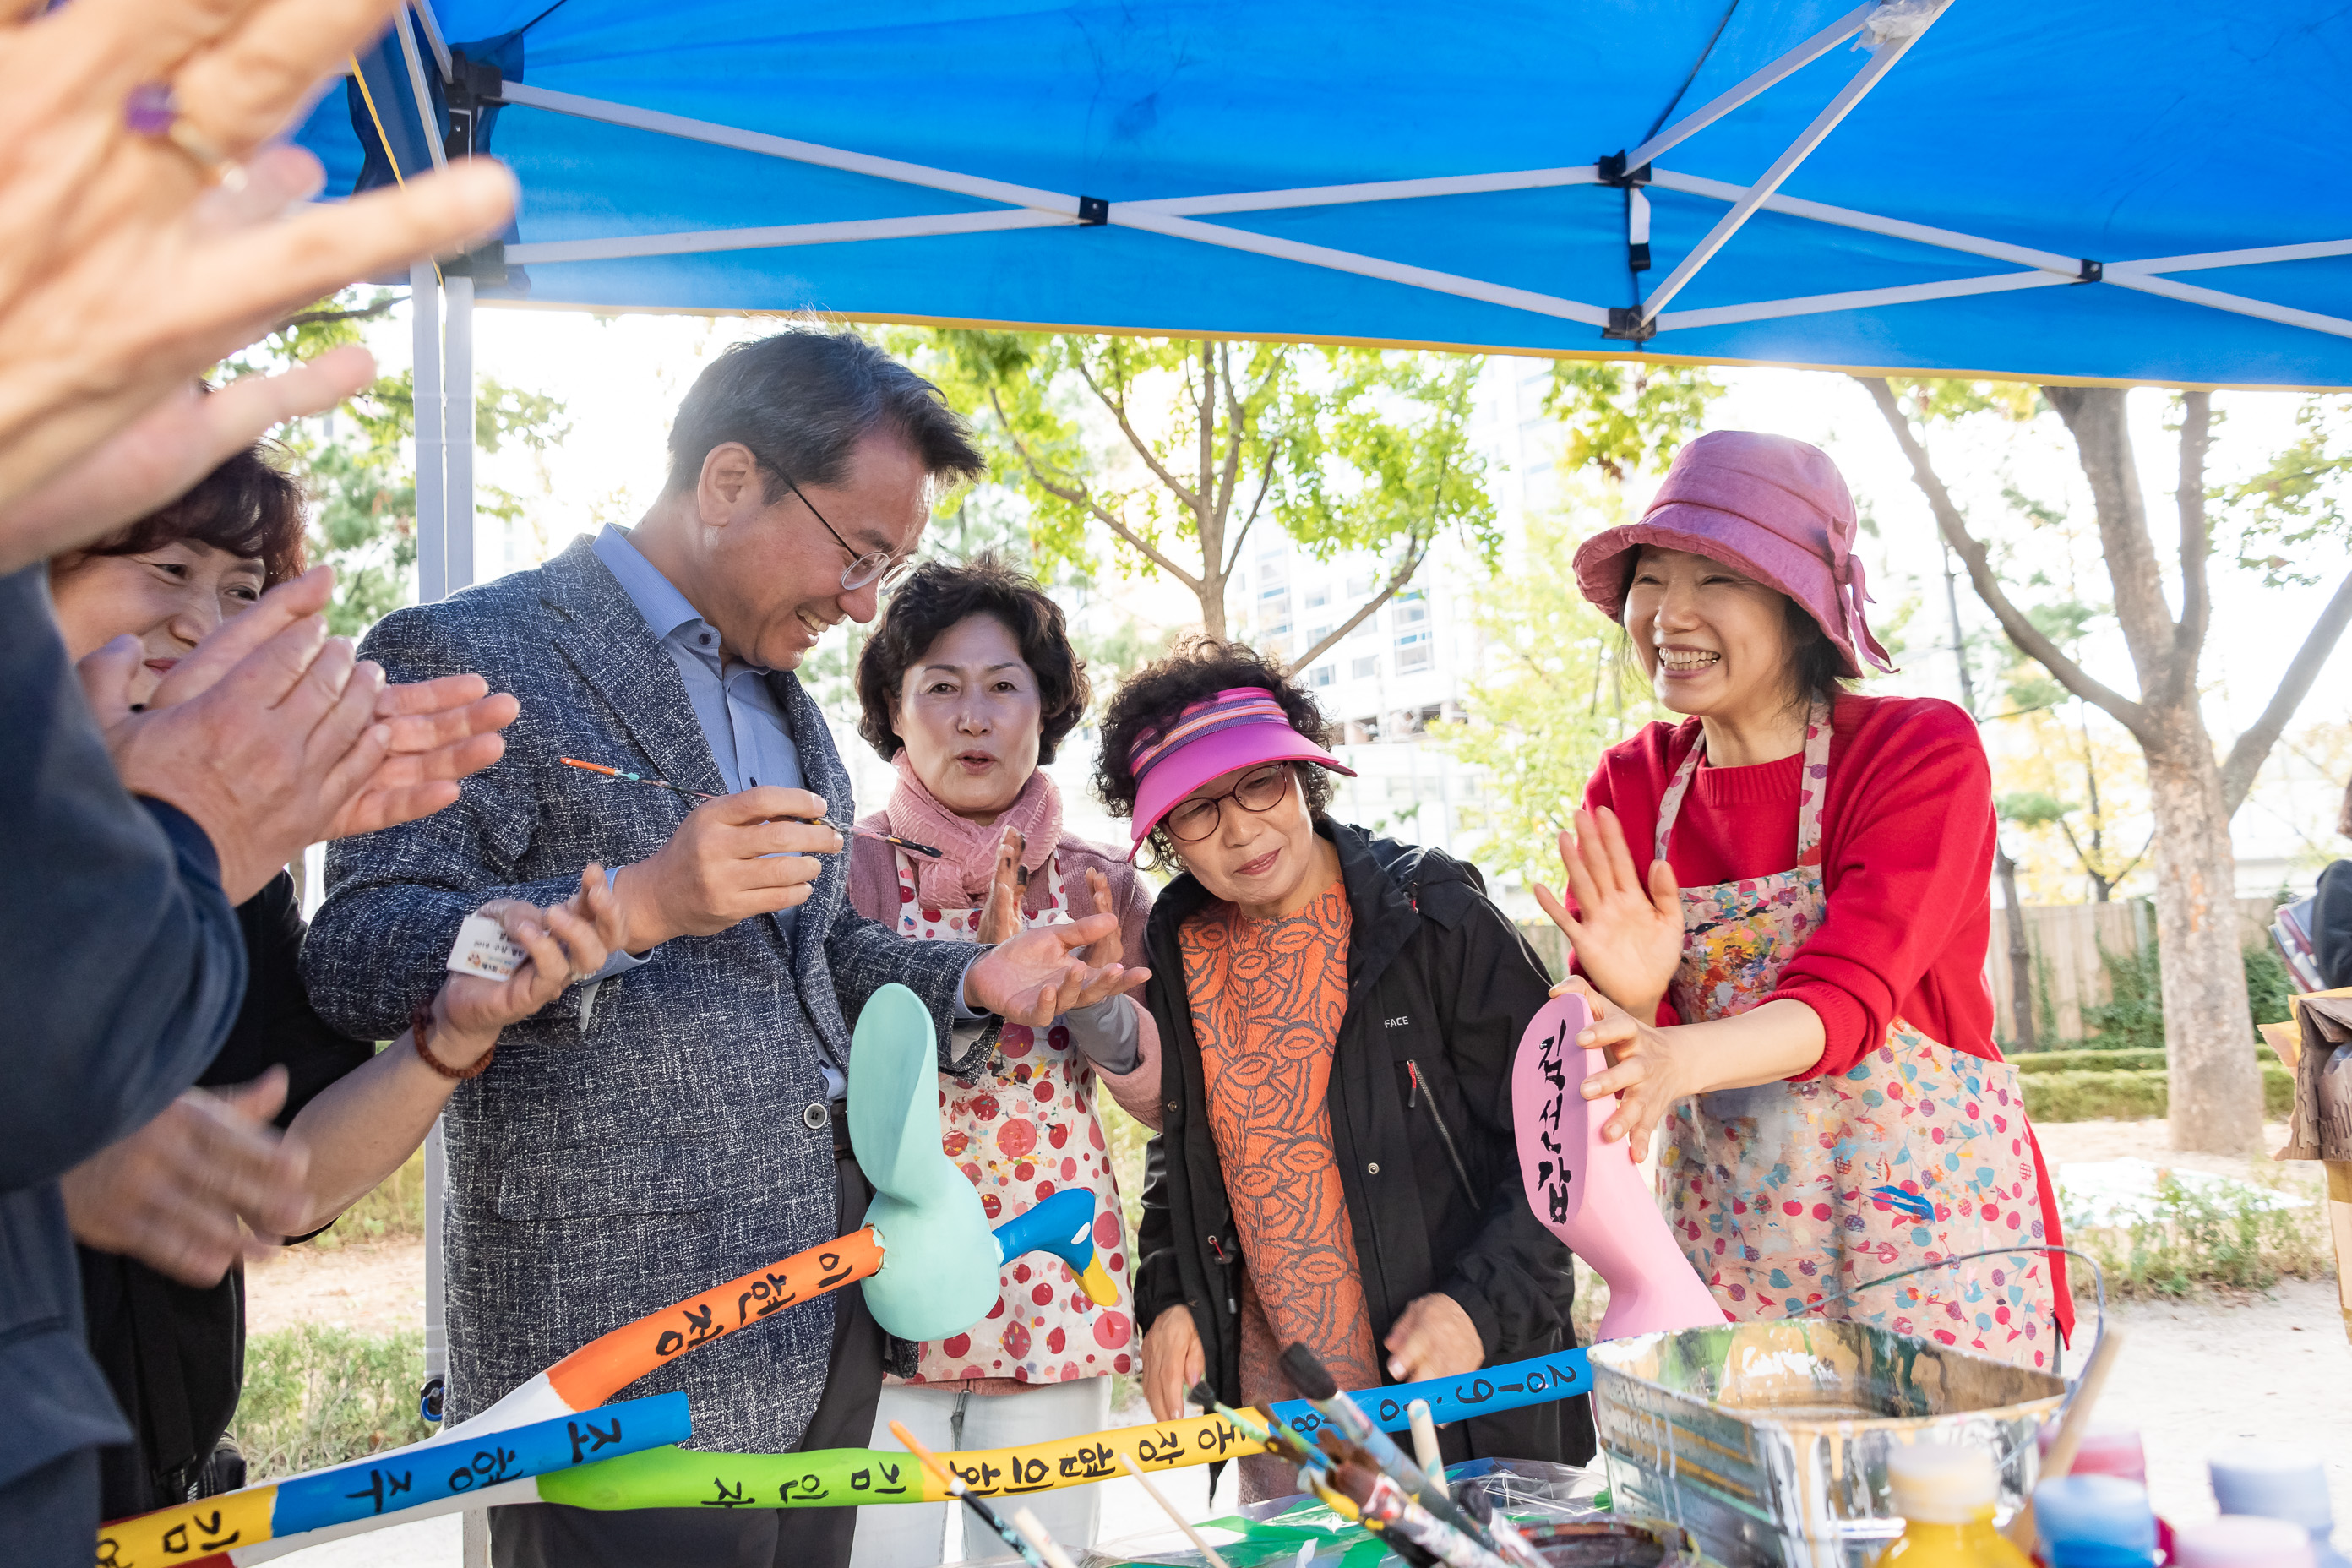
[[592, 1375]]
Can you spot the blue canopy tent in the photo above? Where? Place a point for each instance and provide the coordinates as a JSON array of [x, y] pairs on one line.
[[2053, 189]]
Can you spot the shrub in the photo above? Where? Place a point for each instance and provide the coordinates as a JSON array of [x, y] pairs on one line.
[[2093, 1060], [2201, 1235], [2133, 1018], [2091, 1095], [316, 1396]]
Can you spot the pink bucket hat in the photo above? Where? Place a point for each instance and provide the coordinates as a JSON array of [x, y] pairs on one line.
[[1774, 508], [1240, 727]]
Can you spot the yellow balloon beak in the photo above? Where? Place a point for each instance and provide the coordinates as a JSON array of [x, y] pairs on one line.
[[1095, 1279]]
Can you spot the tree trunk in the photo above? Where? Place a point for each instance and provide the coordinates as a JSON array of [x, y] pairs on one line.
[[2216, 1084], [2021, 956], [1212, 597]]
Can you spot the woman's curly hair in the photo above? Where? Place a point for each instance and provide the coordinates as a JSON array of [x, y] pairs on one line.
[[1150, 700], [935, 596]]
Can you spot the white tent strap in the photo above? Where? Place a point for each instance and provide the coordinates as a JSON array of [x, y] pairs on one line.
[[1881, 60], [689, 130], [1780, 69], [1362, 266], [632, 246]]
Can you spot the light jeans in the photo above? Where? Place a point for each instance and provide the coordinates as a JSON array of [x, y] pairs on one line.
[[942, 1416]]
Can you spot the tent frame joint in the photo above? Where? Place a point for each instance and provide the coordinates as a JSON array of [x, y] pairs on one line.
[[1094, 211], [1627, 324], [2092, 272], [1612, 170]]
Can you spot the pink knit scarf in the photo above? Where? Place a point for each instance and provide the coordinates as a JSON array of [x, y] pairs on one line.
[[960, 879]]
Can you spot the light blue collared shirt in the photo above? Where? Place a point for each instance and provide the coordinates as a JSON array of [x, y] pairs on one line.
[[733, 707]]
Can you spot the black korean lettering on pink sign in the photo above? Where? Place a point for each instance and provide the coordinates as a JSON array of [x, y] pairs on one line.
[[1552, 1169]]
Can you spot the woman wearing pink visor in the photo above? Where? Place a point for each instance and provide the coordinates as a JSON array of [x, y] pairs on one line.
[[1794, 975], [1337, 1015]]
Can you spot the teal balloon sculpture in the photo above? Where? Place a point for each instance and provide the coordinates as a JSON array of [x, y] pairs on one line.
[[940, 1274]]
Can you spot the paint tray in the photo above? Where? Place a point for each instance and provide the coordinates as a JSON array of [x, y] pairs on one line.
[[1768, 1441]]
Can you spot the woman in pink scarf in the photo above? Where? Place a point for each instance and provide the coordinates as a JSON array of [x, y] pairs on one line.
[[967, 685]]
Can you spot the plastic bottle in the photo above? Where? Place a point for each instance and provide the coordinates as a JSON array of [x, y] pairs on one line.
[[2277, 1482], [1946, 1496], [2106, 1451], [2243, 1540], [2095, 1521]]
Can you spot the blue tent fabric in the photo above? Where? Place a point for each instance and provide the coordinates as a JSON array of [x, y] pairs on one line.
[[2106, 132]]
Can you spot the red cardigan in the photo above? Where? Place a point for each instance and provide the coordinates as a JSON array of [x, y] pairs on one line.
[[1906, 869], [1907, 863]]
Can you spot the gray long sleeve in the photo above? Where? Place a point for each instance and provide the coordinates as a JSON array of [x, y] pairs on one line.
[[126, 965]]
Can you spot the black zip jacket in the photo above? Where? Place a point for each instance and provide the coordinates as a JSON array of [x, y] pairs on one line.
[[1440, 986]]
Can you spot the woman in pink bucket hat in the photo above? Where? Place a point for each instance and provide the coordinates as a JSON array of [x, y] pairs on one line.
[[1792, 981], [1337, 1015]]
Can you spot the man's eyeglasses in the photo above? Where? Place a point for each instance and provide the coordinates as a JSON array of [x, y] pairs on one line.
[[878, 565], [1260, 789]]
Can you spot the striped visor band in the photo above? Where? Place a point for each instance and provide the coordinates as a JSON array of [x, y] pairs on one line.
[[1228, 710]]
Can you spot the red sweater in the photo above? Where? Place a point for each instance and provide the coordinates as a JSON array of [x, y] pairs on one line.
[[1907, 863], [1907, 867]]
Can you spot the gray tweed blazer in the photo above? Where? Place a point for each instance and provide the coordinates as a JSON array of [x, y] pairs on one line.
[[596, 1175]]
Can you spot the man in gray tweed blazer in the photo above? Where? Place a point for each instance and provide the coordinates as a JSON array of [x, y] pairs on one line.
[[676, 1125]]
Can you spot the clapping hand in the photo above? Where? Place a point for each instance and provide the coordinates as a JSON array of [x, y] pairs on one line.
[[1000, 916], [1627, 934], [178, 1194], [131, 266]]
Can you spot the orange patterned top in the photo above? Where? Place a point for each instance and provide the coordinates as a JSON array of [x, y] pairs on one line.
[[1267, 999]]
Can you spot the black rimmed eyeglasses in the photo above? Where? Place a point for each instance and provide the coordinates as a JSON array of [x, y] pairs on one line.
[[873, 566], [1260, 789]]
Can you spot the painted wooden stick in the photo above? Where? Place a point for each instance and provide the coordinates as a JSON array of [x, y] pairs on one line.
[[623, 776], [1030, 1525], [1425, 1451], [1168, 1507], [2072, 1430]]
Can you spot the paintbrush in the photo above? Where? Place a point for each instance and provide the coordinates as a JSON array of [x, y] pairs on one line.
[[971, 1499], [1168, 1507], [622, 776], [1030, 1525]]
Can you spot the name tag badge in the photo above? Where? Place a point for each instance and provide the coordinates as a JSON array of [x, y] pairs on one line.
[[483, 949]]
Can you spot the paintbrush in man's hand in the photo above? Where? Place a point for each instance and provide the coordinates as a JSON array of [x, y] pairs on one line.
[[620, 776]]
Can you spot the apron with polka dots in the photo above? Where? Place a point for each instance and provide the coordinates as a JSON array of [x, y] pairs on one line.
[[1021, 1134], [1785, 1194]]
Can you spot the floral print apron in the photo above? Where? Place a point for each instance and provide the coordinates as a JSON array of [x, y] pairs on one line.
[[1786, 1194], [1021, 1135]]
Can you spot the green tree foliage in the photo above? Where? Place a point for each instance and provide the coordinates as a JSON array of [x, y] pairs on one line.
[[1555, 693], [2297, 503], [359, 465], [1623, 417], [1179, 449]]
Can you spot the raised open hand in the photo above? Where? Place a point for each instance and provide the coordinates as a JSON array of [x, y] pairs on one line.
[[130, 262], [1040, 975], [1627, 930], [1000, 916]]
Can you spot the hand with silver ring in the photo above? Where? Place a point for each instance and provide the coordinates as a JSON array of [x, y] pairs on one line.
[[127, 264]]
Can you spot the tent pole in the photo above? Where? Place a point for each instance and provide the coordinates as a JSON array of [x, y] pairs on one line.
[[1780, 69], [457, 425], [1881, 60], [424, 95], [425, 311], [433, 39]]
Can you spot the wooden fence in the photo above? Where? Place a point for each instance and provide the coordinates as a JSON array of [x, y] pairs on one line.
[[2064, 939]]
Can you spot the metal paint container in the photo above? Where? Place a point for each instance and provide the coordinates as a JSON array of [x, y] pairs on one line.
[[1768, 1441]]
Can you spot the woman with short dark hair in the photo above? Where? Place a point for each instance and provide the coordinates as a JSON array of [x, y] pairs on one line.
[[1337, 1165], [968, 684], [171, 1345], [1782, 903]]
